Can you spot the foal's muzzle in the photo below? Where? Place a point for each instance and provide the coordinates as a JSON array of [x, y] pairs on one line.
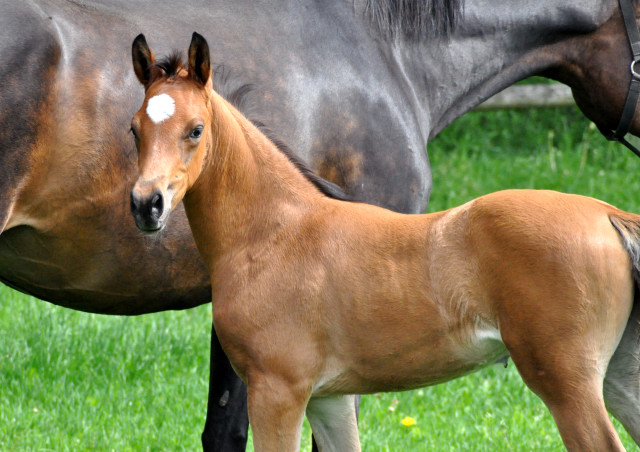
[[148, 211]]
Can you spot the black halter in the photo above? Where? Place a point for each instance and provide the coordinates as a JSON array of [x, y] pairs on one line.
[[629, 109]]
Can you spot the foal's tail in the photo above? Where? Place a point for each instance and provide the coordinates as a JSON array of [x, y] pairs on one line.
[[628, 226]]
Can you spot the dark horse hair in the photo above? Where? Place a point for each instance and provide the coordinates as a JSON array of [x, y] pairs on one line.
[[170, 67], [414, 19], [327, 188]]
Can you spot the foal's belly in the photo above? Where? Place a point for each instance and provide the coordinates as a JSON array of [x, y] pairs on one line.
[[418, 364]]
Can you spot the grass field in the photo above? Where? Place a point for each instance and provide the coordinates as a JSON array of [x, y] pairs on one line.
[[71, 381]]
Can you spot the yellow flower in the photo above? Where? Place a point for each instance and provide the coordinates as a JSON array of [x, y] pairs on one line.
[[408, 421]]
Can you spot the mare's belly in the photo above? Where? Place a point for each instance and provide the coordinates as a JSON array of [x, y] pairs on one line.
[[104, 270]]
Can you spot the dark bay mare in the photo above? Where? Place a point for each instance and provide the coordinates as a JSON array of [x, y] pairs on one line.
[[359, 94]]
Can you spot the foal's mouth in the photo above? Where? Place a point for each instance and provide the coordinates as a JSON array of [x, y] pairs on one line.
[[148, 226], [151, 230]]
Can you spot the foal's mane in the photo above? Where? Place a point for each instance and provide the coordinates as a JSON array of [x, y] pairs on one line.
[[414, 19], [170, 67], [327, 188]]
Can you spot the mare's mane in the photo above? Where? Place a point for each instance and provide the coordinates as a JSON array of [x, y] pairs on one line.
[[171, 66], [414, 19]]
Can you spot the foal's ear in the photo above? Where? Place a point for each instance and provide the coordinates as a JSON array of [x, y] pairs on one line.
[[199, 59], [143, 59]]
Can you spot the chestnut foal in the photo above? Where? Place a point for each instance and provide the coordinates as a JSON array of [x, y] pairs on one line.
[[316, 298]]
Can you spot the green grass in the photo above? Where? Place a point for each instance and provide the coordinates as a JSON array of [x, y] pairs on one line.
[[74, 381], [554, 149], [71, 381]]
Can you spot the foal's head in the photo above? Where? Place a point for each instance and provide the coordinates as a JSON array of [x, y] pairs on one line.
[[171, 129]]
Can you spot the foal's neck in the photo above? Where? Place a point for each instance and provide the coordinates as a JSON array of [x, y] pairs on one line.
[[248, 190]]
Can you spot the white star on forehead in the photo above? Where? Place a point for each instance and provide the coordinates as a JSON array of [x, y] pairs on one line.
[[160, 107]]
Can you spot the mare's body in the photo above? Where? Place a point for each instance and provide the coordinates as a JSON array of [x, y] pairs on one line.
[[315, 298], [358, 106]]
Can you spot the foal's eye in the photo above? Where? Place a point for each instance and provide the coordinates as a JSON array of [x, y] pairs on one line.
[[134, 133], [196, 133]]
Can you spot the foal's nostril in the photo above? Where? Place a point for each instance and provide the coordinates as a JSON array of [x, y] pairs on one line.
[[157, 205], [133, 203], [147, 210]]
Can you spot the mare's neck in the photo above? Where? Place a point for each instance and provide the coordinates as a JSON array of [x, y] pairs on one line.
[[495, 45], [248, 190]]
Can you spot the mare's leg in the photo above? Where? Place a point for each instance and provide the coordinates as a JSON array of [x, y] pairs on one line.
[[276, 412], [622, 381], [334, 423], [227, 423]]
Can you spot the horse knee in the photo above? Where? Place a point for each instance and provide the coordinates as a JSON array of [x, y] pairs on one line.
[[276, 412]]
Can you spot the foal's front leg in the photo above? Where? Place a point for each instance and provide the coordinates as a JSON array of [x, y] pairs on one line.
[[334, 423], [276, 412]]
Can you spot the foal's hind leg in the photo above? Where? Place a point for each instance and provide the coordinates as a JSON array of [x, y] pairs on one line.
[[622, 381], [573, 393], [562, 350], [334, 423]]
